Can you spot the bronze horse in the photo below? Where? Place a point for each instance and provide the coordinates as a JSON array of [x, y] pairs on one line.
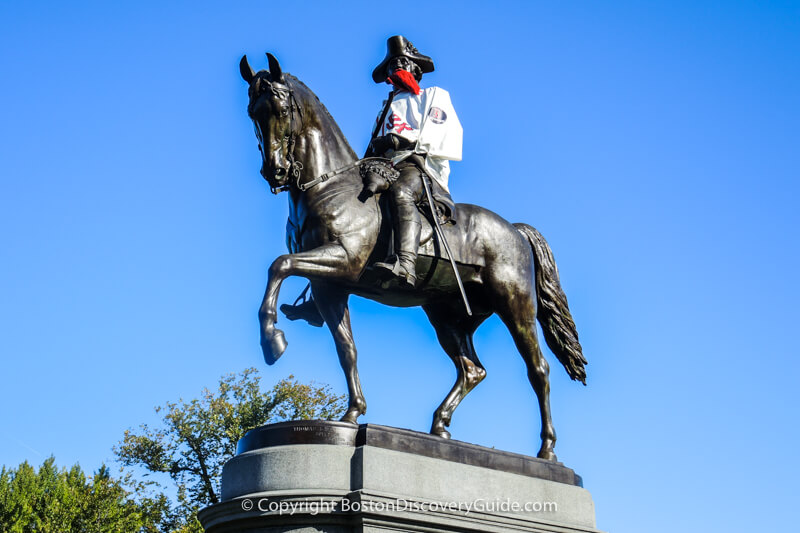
[[335, 233]]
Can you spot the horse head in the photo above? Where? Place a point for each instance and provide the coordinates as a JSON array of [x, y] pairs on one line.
[[277, 118]]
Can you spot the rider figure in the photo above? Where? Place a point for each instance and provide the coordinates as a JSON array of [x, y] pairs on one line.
[[419, 131]]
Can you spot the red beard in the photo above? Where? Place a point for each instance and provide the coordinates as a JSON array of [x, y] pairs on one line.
[[404, 80]]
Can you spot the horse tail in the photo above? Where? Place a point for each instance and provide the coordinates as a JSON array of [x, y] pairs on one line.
[[554, 316]]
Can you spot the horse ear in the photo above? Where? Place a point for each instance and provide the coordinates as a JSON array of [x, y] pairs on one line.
[[275, 71], [246, 70]]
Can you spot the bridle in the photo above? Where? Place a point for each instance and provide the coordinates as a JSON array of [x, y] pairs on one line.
[[295, 169]]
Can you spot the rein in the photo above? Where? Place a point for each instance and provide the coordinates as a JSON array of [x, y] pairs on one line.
[[295, 169], [303, 187]]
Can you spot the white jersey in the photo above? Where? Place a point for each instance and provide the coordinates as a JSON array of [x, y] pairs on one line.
[[428, 120]]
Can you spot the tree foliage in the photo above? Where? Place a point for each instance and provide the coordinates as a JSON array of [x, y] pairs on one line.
[[191, 446], [53, 500], [197, 437]]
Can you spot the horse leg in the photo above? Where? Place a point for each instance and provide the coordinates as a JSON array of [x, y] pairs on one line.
[[329, 260], [509, 282], [332, 305], [455, 336], [521, 323]]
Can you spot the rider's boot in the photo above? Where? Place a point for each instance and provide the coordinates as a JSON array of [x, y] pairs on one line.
[[404, 266]]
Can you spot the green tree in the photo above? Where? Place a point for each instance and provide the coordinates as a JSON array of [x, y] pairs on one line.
[[55, 500], [197, 437]]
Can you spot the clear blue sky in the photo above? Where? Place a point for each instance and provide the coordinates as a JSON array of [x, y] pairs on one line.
[[655, 145]]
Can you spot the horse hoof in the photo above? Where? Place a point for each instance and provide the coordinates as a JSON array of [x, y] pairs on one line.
[[547, 455], [351, 416], [273, 346], [443, 433]]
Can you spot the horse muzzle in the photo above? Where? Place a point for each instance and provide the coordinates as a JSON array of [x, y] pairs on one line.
[[277, 177]]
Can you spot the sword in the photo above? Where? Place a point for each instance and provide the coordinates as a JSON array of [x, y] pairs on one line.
[[441, 236]]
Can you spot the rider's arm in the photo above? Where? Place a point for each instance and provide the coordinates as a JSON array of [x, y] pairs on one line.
[[380, 145]]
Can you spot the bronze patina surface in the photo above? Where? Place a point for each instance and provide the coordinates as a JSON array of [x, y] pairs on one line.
[[336, 233]]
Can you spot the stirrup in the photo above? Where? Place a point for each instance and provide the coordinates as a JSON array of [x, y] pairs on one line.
[[395, 271]]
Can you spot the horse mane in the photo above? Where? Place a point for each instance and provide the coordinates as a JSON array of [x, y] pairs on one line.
[[311, 99], [311, 102], [297, 82]]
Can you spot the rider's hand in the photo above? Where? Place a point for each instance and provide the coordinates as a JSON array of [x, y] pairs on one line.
[[381, 145]]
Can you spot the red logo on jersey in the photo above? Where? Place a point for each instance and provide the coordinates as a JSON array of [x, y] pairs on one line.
[[396, 122]]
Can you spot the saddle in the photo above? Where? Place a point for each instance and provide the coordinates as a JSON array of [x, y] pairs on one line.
[[464, 251], [378, 176]]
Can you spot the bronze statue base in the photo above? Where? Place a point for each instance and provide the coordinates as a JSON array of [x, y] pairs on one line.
[[335, 477]]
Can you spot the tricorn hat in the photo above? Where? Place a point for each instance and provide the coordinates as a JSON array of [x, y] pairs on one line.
[[400, 46]]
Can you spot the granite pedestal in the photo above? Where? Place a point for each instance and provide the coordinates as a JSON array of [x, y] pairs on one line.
[[333, 477]]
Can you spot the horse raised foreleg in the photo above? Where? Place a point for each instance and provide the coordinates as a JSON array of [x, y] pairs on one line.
[[332, 305], [328, 261], [454, 332]]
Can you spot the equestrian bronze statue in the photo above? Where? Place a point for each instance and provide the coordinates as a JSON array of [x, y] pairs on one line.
[[340, 226]]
